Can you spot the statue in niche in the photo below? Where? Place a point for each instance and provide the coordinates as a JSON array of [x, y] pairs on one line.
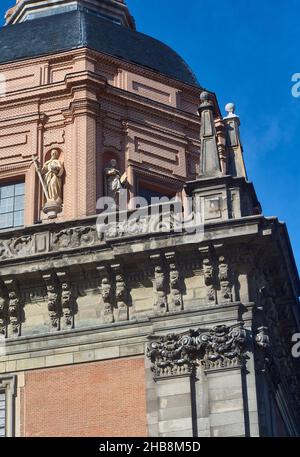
[[114, 182], [50, 176], [52, 172]]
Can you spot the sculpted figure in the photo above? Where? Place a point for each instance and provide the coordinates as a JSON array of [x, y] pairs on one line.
[[113, 182], [52, 172]]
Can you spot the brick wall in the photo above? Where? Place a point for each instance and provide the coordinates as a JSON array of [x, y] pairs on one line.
[[93, 399]]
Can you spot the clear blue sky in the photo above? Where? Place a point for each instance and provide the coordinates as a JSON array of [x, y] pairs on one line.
[[246, 52]]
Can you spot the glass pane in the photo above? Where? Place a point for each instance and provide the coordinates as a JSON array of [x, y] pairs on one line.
[[6, 220], [19, 203], [7, 191], [19, 218], [20, 188], [6, 205]]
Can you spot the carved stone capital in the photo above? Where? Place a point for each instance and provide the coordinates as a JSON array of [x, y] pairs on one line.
[[179, 354]]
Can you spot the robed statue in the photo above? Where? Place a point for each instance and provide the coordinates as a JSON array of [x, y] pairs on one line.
[[50, 176], [52, 173], [114, 182]]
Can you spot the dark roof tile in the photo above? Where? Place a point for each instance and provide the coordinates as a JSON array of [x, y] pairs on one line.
[[78, 29]]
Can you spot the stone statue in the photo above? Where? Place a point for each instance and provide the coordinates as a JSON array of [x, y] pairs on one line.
[[113, 180], [50, 176], [52, 172]]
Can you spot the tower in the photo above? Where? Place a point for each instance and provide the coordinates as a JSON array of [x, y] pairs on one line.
[[169, 323]]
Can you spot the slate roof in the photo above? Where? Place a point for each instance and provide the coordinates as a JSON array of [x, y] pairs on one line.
[[77, 29]]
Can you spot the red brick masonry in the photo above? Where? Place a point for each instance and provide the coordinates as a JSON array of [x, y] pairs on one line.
[[93, 399]]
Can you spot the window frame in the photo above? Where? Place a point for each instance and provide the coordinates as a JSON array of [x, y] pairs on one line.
[[14, 212], [8, 386]]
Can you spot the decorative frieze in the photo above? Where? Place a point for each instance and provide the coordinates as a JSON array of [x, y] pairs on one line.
[[45, 241], [220, 347], [16, 247], [75, 237]]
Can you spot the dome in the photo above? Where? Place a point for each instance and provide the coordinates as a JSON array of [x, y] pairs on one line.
[[82, 28]]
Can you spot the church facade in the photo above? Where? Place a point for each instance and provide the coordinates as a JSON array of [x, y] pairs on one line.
[[151, 328]]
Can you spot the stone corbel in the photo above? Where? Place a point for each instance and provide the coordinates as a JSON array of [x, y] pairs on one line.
[[209, 274], [175, 283], [159, 283], [262, 338], [53, 292], [106, 294], [122, 296], [14, 307], [67, 300]]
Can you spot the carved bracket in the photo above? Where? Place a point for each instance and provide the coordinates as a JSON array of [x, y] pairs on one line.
[[122, 296], [262, 338], [159, 283], [14, 307], [175, 283], [67, 299], [106, 294], [225, 282], [3, 310], [209, 275], [53, 292]]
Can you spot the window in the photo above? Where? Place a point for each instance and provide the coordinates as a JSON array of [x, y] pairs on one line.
[[2, 414], [7, 405], [153, 190], [12, 205]]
